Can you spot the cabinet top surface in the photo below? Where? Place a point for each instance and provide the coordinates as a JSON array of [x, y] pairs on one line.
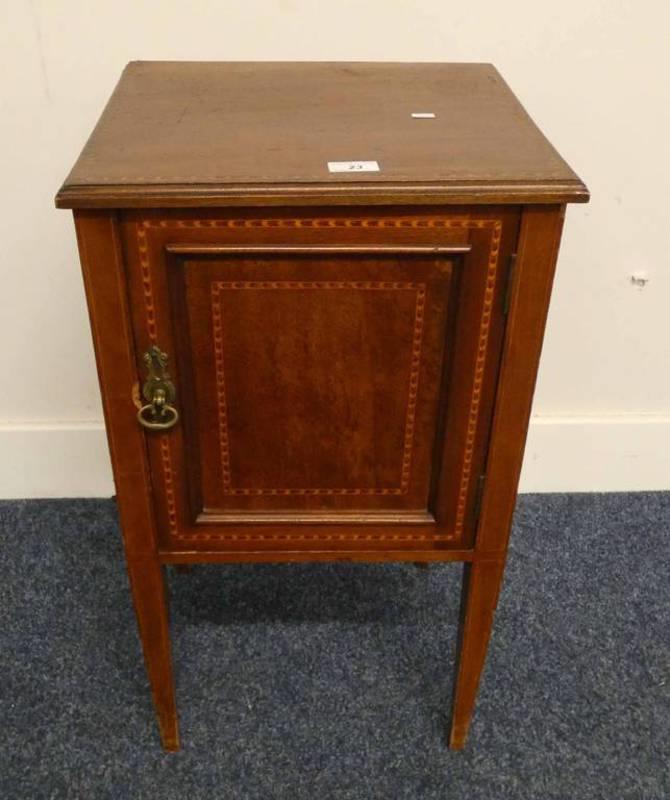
[[212, 133]]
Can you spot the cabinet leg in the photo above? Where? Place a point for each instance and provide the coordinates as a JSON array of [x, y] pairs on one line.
[[150, 596], [481, 586]]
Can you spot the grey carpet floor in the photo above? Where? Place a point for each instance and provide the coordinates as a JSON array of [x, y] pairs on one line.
[[333, 681]]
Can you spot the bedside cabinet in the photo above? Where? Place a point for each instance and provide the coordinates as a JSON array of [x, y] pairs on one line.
[[317, 295]]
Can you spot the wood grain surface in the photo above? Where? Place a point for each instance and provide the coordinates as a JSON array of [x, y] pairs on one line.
[[198, 133]]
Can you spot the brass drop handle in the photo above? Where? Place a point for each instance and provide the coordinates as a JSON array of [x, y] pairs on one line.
[[158, 414]]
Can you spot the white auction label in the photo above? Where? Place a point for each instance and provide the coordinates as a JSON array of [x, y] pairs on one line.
[[353, 166], [423, 115]]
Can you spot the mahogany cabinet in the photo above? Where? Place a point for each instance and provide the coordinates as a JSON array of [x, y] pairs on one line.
[[317, 295]]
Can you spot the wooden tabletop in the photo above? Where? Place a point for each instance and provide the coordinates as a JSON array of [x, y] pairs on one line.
[[201, 133]]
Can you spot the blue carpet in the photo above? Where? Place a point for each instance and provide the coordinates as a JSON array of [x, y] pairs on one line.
[[333, 681]]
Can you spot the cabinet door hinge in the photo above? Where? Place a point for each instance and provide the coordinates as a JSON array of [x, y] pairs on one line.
[[508, 287], [479, 496]]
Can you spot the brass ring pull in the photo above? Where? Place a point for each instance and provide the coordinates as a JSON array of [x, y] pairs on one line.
[[161, 421], [158, 414]]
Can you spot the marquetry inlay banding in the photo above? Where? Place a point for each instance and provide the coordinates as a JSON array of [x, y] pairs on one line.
[[297, 536], [150, 314], [321, 222], [480, 363], [492, 225], [147, 289], [168, 484], [419, 290]]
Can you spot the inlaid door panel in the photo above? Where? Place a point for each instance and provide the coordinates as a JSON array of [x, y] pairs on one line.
[[319, 374], [334, 374]]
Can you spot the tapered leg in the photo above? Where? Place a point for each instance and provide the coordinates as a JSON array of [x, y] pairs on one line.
[[105, 282], [537, 249], [481, 586], [150, 597]]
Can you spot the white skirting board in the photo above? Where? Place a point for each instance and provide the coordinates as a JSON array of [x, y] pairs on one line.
[[563, 454], [617, 453], [54, 459]]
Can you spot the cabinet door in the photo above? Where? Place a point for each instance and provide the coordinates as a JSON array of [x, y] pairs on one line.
[[334, 373]]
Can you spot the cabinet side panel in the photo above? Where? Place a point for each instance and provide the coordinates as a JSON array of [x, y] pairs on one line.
[[539, 239]]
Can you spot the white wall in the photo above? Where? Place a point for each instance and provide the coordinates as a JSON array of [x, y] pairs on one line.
[[595, 75]]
